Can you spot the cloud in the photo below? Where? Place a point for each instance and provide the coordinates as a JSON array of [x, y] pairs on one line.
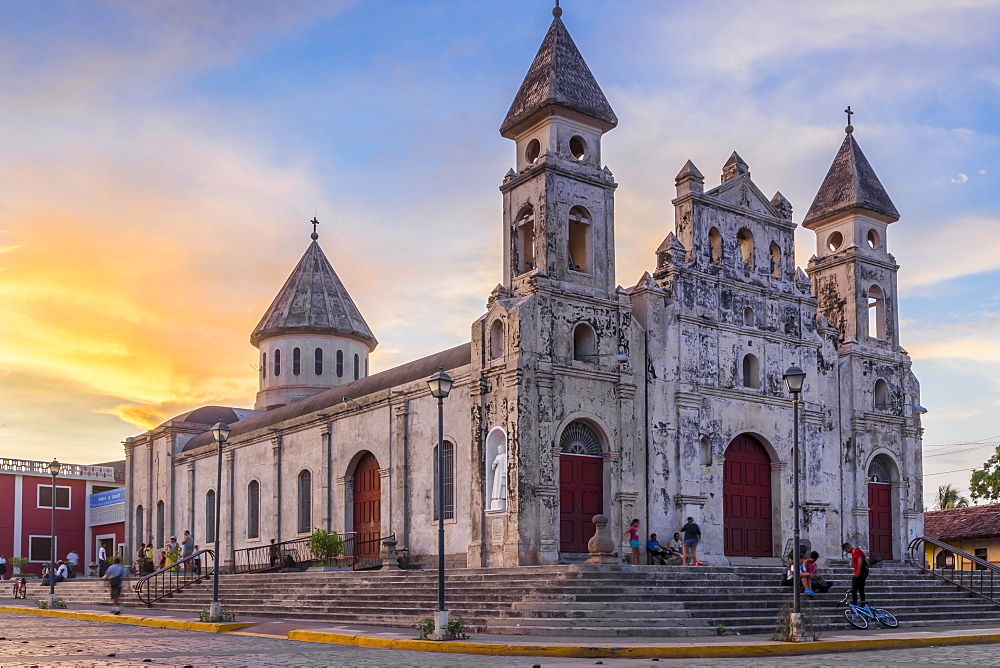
[[983, 171], [961, 178], [144, 417], [925, 263], [11, 248]]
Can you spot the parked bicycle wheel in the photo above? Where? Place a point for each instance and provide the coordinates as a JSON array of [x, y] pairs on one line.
[[855, 619], [885, 618]]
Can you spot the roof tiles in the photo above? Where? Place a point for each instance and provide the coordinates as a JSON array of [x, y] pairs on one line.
[[851, 183]]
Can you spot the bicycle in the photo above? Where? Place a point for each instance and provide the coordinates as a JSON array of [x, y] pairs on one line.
[[858, 616], [20, 588]]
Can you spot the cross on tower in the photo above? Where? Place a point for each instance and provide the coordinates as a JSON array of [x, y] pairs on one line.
[[849, 114], [314, 222]]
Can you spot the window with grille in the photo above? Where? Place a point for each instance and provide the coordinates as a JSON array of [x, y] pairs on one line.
[[318, 360], [448, 482], [305, 502], [296, 361], [340, 364], [357, 366], [253, 509], [45, 497], [579, 438], [277, 362], [879, 471], [210, 516]]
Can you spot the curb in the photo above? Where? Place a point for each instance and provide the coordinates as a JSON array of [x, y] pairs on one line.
[[176, 624], [641, 651]]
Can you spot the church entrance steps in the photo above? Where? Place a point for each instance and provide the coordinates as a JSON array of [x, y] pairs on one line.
[[565, 600]]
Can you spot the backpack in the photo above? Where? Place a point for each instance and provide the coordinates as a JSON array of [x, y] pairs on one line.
[[865, 569]]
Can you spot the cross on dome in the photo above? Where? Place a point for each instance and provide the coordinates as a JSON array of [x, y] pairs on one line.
[[314, 236]]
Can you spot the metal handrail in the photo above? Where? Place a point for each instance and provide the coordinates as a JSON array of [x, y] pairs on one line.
[[169, 579], [357, 555], [982, 586]]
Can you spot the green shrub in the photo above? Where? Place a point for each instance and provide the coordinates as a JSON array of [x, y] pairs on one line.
[[327, 545], [228, 615]]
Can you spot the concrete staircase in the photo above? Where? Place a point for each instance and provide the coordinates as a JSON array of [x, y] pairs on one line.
[[572, 600]]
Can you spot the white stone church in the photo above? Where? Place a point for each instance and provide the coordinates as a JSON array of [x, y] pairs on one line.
[[575, 397]]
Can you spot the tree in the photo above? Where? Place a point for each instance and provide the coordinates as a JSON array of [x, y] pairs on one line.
[[948, 498], [985, 482]]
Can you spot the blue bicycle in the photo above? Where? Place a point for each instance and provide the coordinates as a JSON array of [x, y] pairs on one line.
[[858, 616]]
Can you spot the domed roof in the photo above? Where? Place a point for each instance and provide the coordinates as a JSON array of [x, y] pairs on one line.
[[212, 414], [313, 301]]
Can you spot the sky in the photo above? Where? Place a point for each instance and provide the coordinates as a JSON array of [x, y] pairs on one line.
[[159, 163]]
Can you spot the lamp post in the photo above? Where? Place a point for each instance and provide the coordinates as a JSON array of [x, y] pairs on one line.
[[794, 379], [54, 467], [220, 431], [440, 384]]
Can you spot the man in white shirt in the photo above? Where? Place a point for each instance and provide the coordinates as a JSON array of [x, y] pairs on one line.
[[73, 559], [102, 561]]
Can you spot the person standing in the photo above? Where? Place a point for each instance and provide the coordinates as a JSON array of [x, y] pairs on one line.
[[692, 535], [859, 566], [115, 575], [73, 559], [3, 567], [633, 540], [102, 561], [187, 549], [149, 557]]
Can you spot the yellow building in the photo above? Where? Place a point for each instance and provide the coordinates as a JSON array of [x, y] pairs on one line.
[[975, 530]]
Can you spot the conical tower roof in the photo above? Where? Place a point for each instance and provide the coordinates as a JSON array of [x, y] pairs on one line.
[[313, 301], [558, 77], [850, 184]]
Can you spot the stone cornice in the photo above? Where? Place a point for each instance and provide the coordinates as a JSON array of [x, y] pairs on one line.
[[845, 257], [716, 203], [687, 500], [747, 331], [545, 166]]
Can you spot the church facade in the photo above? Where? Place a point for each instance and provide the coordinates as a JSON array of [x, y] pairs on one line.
[[574, 396]]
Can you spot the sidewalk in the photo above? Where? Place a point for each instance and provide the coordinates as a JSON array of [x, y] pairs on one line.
[[631, 647]]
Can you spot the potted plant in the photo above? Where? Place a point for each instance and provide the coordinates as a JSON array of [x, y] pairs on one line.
[[18, 563], [328, 547]]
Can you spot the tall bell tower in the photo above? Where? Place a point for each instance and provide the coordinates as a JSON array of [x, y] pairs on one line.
[[558, 201]]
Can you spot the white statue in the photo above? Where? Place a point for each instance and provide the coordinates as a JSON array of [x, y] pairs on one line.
[[499, 496]]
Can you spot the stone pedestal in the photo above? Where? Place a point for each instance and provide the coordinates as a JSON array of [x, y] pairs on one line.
[[390, 557], [601, 546], [441, 627], [796, 631]]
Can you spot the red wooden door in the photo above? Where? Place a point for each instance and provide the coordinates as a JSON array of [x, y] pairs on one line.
[[746, 500], [880, 519], [581, 496], [367, 507]]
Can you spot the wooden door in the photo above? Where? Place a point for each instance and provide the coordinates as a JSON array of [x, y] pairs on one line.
[[367, 507], [746, 500], [880, 519], [581, 496]]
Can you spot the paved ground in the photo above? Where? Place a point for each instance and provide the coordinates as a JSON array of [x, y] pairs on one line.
[[42, 641]]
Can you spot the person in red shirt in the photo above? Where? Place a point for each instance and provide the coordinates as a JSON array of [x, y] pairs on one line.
[[859, 564]]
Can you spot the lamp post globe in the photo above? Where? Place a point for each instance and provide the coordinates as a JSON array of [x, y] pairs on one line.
[[440, 385], [220, 432], [54, 468]]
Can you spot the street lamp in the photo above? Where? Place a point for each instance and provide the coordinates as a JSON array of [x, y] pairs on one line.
[[440, 384], [794, 379], [220, 432], [54, 467]]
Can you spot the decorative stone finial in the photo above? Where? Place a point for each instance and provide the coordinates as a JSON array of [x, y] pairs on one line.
[[850, 128], [314, 236], [557, 10], [602, 545]]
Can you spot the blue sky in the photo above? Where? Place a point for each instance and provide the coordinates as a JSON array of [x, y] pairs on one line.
[[159, 161]]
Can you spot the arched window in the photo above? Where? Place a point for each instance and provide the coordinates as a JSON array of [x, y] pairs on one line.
[[524, 239], [496, 340], [318, 361], [751, 371], [340, 364], [253, 509], [714, 245], [706, 452], [876, 313], [744, 239], [878, 471], [357, 366], [579, 438], [277, 362], [881, 395], [775, 260], [584, 343], [305, 501], [140, 533], [263, 365], [580, 231], [748, 317], [210, 516], [296, 361], [448, 482], [159, 523], [366, 367]]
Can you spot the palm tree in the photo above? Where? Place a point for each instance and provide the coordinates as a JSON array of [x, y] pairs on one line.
[[948, 498]]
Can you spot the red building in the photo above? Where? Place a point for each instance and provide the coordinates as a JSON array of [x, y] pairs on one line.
[[89, 510]]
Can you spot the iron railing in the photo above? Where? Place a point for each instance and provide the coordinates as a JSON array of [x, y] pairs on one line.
[[982, 580], [358, 555], [169, 579]]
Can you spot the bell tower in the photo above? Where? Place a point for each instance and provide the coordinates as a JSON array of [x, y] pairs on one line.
[[853, 273], [559, 200]]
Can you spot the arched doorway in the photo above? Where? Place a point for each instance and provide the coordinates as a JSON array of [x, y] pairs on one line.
[[945, 559], [746, 499], [367, 507], [581, 485], [880, 508]]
